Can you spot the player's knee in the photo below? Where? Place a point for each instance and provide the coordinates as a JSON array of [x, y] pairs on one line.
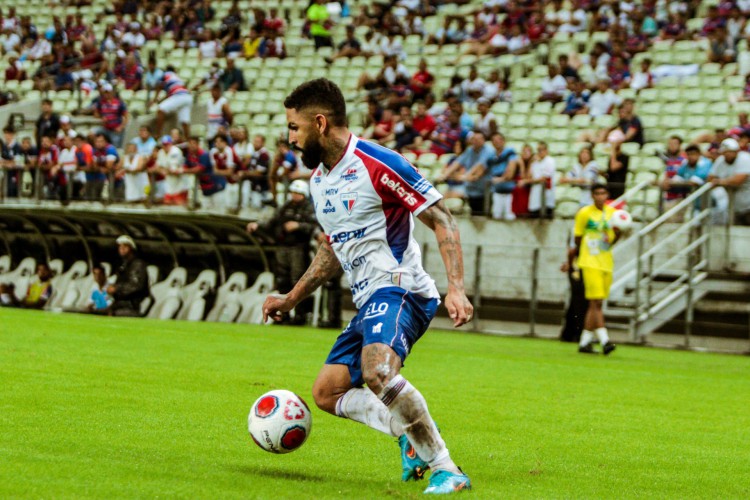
[[376, 379], [324, 397]]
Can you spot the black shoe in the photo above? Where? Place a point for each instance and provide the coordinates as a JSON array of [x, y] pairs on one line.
[[330, 324], [587, 349], [608, 347]]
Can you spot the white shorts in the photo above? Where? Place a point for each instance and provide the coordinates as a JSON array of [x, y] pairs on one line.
[[135, 186], [182, 104]]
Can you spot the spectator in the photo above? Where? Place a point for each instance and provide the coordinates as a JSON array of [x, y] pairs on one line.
[[225, 164], [554, 86], [274, 46], [286, 167], [132, 281], [502, 170], [628, 128], [198, 163], [68, 164], [104, 160], [242, 145], [496, 89], [54, 176], [692, 173], [643, 79], [15, 70], [721, 47], [144, 143], [133, 166], [423, 122], [99, 300], [318, 19], [113, 113], [48, 122], [487, 121], [178, 101], [9, 152], [472, 87], [350, 47], [603, 100], [577, 101], [257, 172], [566, 70], [468, 175], [130, 73], [673, 158], [584, 174], [542, 182], [232, 78], [448, 135], [40, 288], [170, 161], [422, 81], [404, 133], [134, 37], [291, 229], [153, 76], [210, 46], [732, 170], [618, 171], [219, 114]]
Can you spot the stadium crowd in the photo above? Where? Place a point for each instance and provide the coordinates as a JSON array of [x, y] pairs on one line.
[[409, 109]]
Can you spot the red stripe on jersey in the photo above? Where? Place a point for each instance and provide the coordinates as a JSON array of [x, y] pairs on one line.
[[389, 185]]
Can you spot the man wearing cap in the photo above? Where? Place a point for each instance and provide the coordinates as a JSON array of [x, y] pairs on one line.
[[731, 170], [113, 113], [291, 228], [171, 163], [132, 280]]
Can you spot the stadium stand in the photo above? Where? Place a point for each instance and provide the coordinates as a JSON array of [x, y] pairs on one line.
[[648, 71]]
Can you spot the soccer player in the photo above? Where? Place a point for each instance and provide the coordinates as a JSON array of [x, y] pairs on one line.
[[365, 198], [594, 237]]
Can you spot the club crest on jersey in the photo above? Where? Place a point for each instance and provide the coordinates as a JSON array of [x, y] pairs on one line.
[[350, 175], [348, 200]]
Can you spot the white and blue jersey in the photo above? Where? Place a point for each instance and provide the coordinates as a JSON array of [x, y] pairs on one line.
[[173, 84], [365, 204]]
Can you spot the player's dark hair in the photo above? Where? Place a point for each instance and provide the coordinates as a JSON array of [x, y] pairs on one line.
[[692, 148], [321, 95], [599, 185]]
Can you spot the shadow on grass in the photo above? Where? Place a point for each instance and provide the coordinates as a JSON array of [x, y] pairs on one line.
[[277, 473]]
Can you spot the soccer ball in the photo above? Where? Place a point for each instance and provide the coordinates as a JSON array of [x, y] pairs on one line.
[[621, 220], [279, 421]]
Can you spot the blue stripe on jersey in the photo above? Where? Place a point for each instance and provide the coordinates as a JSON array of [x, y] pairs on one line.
[[398, 230], [397, 163]]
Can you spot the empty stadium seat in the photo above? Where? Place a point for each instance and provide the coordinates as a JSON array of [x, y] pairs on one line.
[[62, 282], [193, 296], [227, 306], [166, 296], [252, 299]]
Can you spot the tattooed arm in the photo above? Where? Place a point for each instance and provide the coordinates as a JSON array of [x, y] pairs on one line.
[[324, 266], [440, 220]]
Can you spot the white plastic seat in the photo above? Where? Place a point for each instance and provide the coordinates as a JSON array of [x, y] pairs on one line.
[[193, 296], [252, 299], [61, 283], [166, 295], [227, 305], [25, 269], [4, 264]]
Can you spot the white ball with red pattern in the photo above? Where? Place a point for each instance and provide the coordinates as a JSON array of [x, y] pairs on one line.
[[621, 220], [279, 421]]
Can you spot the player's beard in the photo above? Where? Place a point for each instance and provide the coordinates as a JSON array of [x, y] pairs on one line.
[[312, 153]]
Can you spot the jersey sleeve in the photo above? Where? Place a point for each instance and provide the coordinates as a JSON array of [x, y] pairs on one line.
[[396, 180]]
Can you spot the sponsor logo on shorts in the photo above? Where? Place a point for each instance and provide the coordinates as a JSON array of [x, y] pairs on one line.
[[377, 328], [376, 309]]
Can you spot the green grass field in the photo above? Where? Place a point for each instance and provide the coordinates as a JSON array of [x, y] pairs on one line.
[[95, 407]]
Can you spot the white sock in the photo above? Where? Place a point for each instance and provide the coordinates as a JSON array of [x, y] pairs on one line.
[[363, 406], [497, 206], [586, 338], [409, 408], [509, 215], [601, 333]]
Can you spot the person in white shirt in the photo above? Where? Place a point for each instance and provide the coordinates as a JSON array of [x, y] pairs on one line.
[[487, 122], [542, 183], [603, 100], [554, 86], [219, 113], [41, 48], [11, 42], [473, 86], [136, 178], [69, 164], [134, 37], [210, 46], [171, 162], [584, 174], [644, 78]]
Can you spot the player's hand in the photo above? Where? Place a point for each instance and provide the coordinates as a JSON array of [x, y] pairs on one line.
[[459, 308], [275, 305]]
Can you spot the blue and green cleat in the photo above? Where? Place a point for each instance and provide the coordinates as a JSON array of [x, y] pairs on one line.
[[443, 482], [414, 468]]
